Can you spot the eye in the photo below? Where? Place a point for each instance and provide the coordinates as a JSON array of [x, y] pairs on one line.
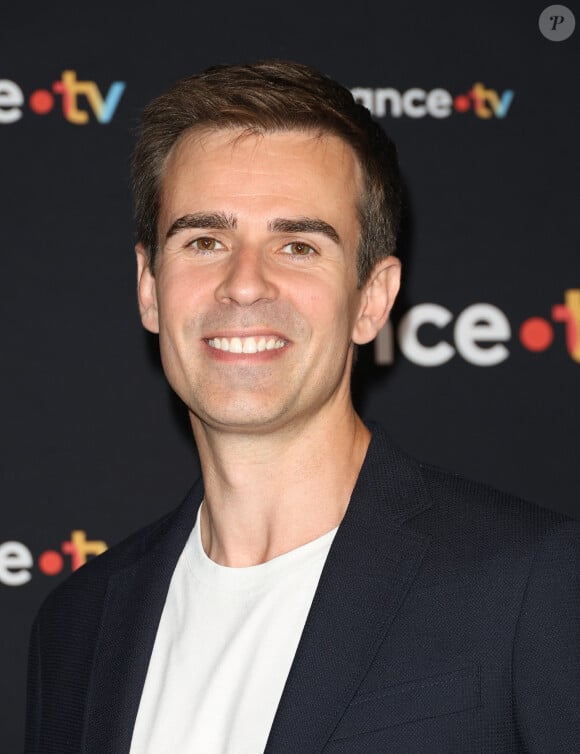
[[205, 244], [298, 249]]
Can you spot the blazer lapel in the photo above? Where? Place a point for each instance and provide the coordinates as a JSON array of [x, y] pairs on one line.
[[371, 564], [132, 611]]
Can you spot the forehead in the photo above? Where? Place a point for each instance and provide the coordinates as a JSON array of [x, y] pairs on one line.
[[307, 171]]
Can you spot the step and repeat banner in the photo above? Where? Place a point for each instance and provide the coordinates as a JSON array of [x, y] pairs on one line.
[[479, 370]]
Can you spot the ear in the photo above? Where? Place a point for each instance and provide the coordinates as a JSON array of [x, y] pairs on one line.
[[377, 298], [146, 291]]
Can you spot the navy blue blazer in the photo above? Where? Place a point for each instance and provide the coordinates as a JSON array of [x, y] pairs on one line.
[[446, 620]]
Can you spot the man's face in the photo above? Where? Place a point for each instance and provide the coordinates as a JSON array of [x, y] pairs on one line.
[[255, 291]]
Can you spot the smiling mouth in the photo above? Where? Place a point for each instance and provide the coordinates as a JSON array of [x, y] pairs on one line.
[[246, 345]]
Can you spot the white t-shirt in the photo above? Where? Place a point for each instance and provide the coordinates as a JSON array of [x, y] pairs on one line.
[[223, 650]]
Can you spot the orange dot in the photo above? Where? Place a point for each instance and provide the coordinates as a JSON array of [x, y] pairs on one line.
[[536, 334], [462, 103], [50, 562], [41, 101]]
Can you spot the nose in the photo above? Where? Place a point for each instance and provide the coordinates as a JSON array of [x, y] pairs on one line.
[[246, 279]]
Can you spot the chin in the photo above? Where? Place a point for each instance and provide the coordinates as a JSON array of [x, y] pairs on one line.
[[250, 418]]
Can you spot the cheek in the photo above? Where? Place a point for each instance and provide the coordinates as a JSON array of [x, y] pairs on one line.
[[180, 296], [328, 309]]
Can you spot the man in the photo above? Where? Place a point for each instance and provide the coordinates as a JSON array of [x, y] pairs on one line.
[[318, 590]]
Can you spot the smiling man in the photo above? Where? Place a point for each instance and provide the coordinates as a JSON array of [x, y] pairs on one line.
[[318, 589]]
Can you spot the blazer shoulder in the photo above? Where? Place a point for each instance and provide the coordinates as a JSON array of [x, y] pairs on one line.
[[449, 499], [480, 505], [87, 586], [89, 583]]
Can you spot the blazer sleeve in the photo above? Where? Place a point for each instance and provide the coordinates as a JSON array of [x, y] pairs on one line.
[[546, 661]]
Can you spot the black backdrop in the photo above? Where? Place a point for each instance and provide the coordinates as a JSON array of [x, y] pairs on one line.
[[92, 440]]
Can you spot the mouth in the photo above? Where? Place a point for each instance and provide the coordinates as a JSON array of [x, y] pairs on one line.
[[250, 344]]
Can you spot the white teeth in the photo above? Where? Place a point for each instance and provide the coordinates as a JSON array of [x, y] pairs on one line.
[[246, 345]]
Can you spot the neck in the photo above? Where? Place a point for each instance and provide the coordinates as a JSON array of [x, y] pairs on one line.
[[268, 494]]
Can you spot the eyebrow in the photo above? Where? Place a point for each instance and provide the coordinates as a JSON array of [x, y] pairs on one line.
[[223, 221], [303, 225], [210, 220]]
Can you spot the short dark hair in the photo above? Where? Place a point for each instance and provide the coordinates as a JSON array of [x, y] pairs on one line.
[[262, 97]]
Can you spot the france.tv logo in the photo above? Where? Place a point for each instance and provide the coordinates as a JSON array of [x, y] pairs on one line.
[[479, 333], [17, 561], [79, 100], [417, 102]]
